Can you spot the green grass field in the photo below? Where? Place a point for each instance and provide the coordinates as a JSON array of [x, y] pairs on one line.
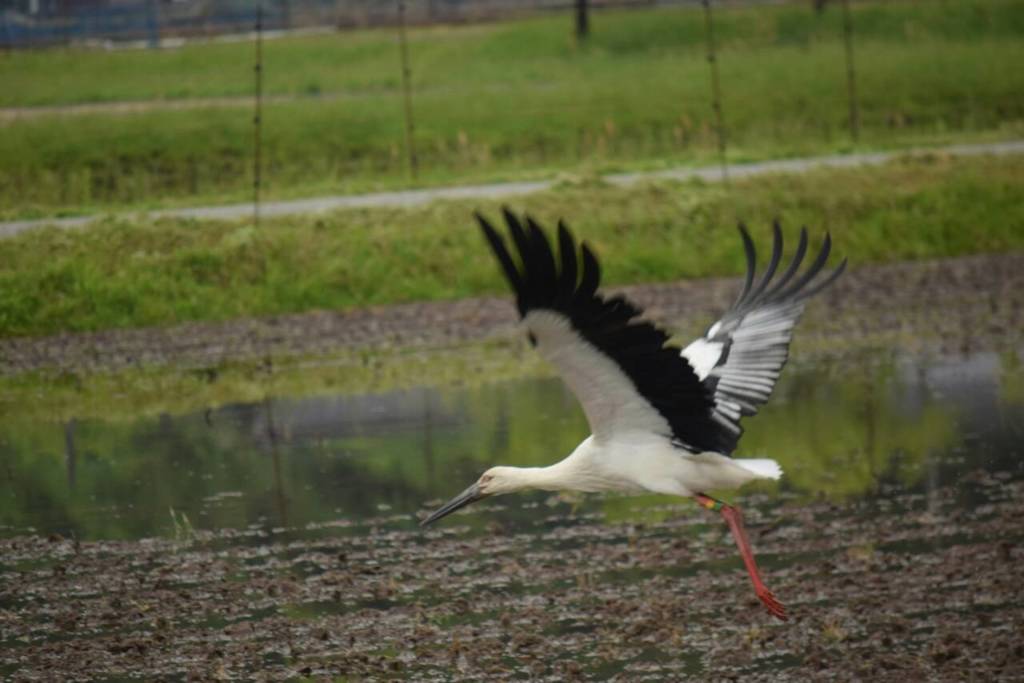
[[128, 273], [516, 99], [520, 52]]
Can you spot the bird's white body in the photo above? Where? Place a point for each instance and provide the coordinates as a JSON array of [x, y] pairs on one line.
[[634, 463]]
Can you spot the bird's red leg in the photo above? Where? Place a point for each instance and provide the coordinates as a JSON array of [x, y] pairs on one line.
[[735, 521]]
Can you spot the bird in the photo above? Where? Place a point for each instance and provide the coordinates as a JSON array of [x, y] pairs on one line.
[[663, 419]]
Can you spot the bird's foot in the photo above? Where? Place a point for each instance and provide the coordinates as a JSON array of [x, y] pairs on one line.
[[777, 609]]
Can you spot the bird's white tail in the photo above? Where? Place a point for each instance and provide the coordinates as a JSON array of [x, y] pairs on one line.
[[761, 467]]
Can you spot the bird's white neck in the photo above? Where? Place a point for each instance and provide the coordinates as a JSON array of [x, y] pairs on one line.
[[575, 473], [555, 477]]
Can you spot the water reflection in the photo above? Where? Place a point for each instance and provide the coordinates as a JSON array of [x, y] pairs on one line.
[[840, 429]]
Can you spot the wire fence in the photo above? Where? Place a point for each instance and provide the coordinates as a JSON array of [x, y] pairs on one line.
[[273, 132]]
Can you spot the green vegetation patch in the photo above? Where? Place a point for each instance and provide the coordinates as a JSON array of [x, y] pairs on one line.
[[131, 273], [518, 99], [366, 61]]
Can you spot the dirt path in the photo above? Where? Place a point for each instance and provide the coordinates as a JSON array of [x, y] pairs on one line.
[[952, 304], [512, 189]]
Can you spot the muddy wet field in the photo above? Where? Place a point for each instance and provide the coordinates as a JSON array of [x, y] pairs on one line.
[[276, 538], [908, 587]]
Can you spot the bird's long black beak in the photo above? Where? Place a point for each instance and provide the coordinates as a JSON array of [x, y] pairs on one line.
[[470, 495]]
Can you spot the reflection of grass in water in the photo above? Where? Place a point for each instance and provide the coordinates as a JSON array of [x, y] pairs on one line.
[[844, 437], [1011, 379], [822, 440], [834, 431]]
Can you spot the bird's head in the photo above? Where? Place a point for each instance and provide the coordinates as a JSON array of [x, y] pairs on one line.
[[493, 482]]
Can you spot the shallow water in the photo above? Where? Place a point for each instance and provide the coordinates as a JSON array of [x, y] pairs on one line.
[[856, 428]]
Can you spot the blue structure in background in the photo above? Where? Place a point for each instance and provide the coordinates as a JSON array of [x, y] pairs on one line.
[[41, 23]]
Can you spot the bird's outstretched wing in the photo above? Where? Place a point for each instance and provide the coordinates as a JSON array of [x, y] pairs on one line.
[[619, 367], [740, 357]]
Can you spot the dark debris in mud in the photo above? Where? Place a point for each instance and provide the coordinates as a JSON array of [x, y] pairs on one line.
[[923, 587]]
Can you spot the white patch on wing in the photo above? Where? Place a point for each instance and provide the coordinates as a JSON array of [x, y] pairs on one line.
[[758, 350], [703, 355], [611, 401]]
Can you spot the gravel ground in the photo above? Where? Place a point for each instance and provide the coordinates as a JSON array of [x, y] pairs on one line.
[[954, 304]]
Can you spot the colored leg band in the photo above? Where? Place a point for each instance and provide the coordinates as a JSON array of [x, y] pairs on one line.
[[710, 503]]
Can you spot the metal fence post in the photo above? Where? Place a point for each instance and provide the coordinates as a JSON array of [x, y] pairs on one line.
[[286, 14], [582, 20], [851, 73], [410, 125], [153, 23], [716, 90], [257, 119], [8, 35]]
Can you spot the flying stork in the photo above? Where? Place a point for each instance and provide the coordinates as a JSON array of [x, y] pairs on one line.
[[663, 420]]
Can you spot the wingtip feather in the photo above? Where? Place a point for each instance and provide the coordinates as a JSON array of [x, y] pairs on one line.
[[751, 255]]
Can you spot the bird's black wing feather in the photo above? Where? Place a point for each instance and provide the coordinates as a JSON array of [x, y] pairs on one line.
[[567, 286]]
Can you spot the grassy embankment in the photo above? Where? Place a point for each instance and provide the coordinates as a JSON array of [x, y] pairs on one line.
[[508, 100], [123, 273]]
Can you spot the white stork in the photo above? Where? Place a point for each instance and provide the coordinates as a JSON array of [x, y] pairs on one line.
[[662, 420]]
